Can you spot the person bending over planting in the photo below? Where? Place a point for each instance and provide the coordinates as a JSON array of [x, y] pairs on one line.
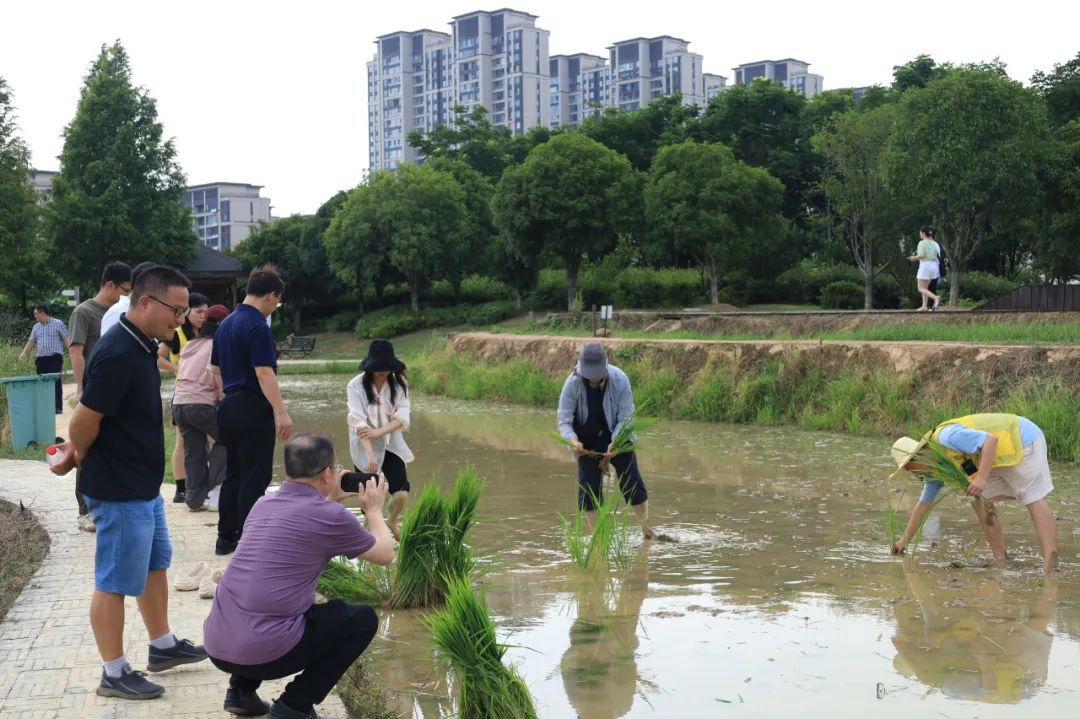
[[595, 402], [999, 456]]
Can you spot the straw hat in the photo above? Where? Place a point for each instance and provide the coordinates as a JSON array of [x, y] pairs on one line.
[[904, 449]]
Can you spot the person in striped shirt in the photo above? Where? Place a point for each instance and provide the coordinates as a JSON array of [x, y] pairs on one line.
[[49, 339]]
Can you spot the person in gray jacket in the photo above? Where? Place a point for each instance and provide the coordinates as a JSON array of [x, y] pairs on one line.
[[595, 400]]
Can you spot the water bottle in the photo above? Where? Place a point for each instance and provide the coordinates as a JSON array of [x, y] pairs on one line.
[[53, 455]]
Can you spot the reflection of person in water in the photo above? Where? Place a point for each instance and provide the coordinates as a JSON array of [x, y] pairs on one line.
[[985, 651], [598, 669]]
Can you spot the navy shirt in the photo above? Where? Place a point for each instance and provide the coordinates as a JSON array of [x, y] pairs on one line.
[[242, 343], [122, 382], [595, 433]]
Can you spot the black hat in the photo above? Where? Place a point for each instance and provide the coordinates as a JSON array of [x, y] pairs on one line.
[[380, 358]]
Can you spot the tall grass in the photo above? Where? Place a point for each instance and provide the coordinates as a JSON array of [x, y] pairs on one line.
[[432, 553], [464, 634], [792, 389]]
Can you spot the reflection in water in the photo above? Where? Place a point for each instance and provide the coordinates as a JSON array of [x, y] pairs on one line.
[[599, 668], [980, 641]]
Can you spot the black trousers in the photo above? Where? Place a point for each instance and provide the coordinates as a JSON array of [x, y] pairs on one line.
[[50, 364], [335, 635], [246, 428]]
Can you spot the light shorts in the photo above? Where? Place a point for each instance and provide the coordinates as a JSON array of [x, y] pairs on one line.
[[132, 541], [1027, 482], [927, 271]]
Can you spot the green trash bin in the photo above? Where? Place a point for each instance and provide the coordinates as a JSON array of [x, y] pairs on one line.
[[31, 409]]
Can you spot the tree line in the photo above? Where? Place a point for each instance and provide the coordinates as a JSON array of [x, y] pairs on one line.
[[756, 182]]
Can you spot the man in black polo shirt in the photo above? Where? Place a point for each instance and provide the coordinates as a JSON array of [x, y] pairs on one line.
[[118, 439], [252, 413]]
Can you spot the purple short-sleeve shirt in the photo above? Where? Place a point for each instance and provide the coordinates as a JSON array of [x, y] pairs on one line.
[[289, 536]]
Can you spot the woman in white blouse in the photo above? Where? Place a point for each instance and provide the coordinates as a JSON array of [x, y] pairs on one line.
[[378, 400]]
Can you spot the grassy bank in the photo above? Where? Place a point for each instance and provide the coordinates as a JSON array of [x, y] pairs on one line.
[[989, 332], [788, 389]]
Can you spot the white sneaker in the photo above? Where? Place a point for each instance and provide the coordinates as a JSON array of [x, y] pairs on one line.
[[215, 495], [191, 580], [86, 523], [208, 585]]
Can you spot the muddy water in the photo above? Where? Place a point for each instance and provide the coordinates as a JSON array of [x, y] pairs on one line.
[[778, 599]]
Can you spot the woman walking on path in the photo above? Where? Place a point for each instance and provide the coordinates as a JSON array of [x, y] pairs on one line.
[[927, 255], [378, 401], [194, 411]]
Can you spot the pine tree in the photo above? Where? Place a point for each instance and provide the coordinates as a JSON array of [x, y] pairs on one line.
[[119, 195]]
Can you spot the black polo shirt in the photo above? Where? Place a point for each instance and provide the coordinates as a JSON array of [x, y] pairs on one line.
[[121, 381], [243, 342]]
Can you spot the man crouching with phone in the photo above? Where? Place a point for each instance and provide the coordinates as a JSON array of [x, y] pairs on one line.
[[264, 623]]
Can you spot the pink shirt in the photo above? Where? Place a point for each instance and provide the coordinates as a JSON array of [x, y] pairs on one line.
[[194, 377]]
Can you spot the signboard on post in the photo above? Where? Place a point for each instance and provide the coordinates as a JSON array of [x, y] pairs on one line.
[[73, 294], [606, 312]]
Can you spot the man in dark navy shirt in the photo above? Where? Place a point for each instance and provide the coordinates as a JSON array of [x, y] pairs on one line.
[[252, 413], [117, 438]]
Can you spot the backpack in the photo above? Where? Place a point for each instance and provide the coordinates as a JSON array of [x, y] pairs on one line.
[[940, 261]]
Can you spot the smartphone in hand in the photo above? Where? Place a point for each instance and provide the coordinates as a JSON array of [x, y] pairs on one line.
[[354, 481]]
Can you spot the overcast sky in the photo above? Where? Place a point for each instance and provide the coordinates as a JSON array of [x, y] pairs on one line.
[[275, 94]]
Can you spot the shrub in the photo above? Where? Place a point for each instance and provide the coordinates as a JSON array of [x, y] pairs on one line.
[[982, 286], [395, 321], [842, 295]]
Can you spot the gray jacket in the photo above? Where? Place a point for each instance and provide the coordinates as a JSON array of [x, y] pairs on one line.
[[573, 403]]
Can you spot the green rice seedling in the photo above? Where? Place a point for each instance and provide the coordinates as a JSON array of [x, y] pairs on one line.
[[418, 579], [893, 520], [364, 583], [464, 634], [610, 541], [461, 507]]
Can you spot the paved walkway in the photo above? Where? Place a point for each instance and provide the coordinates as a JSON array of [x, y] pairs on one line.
[[49, 663]]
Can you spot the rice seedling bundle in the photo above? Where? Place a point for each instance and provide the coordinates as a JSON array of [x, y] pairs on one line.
[[464, 634]]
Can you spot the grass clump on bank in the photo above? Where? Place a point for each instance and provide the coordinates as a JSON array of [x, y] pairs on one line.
[[464, 634], [432, 553], [795, 389], [23, 546]]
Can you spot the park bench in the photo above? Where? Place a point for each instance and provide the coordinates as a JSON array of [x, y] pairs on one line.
[[302, 346]]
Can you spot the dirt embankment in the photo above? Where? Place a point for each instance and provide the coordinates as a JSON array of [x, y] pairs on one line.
[[798, 323], [556, 355]]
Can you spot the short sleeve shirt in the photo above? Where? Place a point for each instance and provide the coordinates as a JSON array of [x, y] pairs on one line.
[[928, 249], [258, 610], [242, 343], [122, 382], [86, 325], [966, 440], [48, 338]]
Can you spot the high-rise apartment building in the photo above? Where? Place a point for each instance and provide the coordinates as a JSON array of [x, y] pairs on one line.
[[712, 85], [792, 73], [579, 88], [225, 213], [643, 69]]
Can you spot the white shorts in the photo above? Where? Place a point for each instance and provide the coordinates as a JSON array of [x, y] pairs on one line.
[[1027, 482], [927, 271]]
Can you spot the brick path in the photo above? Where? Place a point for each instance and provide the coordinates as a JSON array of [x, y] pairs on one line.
[[49, 664]]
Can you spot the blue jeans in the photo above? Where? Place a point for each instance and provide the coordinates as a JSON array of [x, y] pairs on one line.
[[132, 541]]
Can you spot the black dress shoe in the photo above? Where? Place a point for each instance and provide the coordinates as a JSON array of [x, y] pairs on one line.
[[225, 546], [242, 702], [179, 498]]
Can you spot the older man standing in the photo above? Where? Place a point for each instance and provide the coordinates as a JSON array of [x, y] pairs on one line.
[[118, 439], [595, 400], [48, 338]]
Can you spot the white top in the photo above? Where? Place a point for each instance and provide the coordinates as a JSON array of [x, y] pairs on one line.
[[112, 315], [374, 415]]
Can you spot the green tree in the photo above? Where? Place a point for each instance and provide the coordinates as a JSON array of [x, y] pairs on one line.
[[425, 211], [358, 238], [119, 195], [852, 145], [704, 202], [571, 193], [638, 134], [467, 252], [294, 246], [1061, 90], [21, 244], [1056, 245], [917, 73], [471, 138], [967, 145]]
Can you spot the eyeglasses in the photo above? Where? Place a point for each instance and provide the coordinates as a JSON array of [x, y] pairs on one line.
[[178, 312], [125, 290]]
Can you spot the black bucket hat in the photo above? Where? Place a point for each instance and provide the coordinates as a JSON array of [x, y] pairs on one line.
[[381, 358]]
